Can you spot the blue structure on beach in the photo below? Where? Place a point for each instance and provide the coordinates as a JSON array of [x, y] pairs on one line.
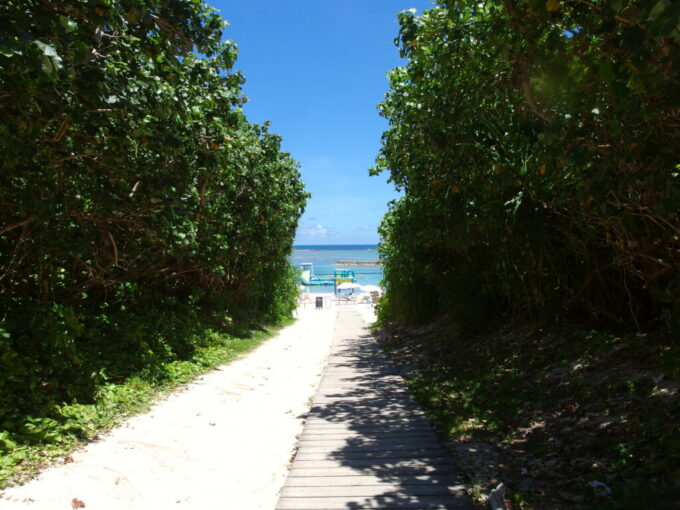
[[309, 279]]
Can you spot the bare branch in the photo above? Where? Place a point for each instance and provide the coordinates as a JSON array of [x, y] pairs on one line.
[[62, 129], [18, 224], [115, 248]]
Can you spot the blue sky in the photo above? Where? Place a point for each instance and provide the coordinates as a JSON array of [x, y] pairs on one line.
[[316, 69]]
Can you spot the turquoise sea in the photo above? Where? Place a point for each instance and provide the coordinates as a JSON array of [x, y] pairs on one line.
[[326, 257]]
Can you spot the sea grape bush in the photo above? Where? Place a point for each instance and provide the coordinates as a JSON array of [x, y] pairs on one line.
[[136, 200], [536, 144]]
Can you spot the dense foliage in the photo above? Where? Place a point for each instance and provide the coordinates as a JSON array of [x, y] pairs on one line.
[[537, 146], [137, 203]]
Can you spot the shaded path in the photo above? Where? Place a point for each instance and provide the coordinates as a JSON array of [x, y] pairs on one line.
[[366, 443]]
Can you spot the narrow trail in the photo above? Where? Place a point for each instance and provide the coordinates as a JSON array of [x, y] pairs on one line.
[[366, 443], [224, 442]]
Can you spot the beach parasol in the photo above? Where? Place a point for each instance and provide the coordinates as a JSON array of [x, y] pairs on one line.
[[371, 288], [348, 285]]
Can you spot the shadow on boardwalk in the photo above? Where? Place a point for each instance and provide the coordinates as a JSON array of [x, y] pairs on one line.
[[366, 444]]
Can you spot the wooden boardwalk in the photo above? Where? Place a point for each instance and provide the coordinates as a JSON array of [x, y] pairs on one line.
[[366, 443]]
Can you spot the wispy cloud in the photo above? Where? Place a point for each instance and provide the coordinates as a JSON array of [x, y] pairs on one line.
[[312, 231]]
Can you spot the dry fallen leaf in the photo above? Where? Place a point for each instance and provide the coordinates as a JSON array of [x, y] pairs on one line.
[[77, 503], [68, 460]]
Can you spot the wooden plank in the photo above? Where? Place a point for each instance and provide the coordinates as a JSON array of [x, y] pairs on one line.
[[355, 355], [391, 388], [379, 458], [335, 446], [372, 406], [367, 422], [375, 471], [396, 463], [375, 435], [366, 443], [361, 362], [362, 368], [362, 412], [384, 501], [368, 398], [370, 420], [349, 376], [363, 479], [321, 491], [362, 371], [355, 433], [365, 392], [330, 430], [346, 434], [352, 377], [315, 423], [320, 446], [387, 399], [412, 454]]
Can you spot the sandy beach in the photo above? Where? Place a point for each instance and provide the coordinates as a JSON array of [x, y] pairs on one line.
[[222, 442]]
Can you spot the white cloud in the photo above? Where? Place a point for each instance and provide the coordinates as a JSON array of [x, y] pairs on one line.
[[313, 231]]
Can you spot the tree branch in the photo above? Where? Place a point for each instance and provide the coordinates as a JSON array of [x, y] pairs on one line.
[[18, 224]]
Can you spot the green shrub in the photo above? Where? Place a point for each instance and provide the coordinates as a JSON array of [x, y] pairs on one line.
[[139, 206], [536, 147]]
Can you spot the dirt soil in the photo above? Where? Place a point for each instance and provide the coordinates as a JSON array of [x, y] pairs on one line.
[[565, 418]]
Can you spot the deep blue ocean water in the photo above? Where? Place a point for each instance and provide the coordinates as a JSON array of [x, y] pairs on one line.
[[326, 257]]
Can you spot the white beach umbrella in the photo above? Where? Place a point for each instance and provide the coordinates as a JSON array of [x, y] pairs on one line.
[[348, 285], [371, 288]]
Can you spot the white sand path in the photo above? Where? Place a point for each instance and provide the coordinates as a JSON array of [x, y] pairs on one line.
[[224, 442]]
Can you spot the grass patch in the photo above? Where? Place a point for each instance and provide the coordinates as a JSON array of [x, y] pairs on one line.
[[38, 441]]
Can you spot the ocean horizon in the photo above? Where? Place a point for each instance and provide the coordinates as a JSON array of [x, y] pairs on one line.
[[326, 258], [334, 247]]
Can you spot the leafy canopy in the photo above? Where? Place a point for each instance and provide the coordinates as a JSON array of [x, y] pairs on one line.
[[536, 143]]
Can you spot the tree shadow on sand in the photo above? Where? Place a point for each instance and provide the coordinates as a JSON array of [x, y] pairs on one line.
[[364, 425]]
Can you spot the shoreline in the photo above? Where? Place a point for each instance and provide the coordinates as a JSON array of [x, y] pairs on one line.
[[359, 263]]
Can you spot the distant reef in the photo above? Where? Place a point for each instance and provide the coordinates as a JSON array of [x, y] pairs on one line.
[[358, 263]]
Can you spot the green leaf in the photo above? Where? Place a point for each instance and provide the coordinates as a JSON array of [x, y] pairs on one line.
[[658, 9], [51, 61], [50, 65], [607, 71], [47, 49]]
